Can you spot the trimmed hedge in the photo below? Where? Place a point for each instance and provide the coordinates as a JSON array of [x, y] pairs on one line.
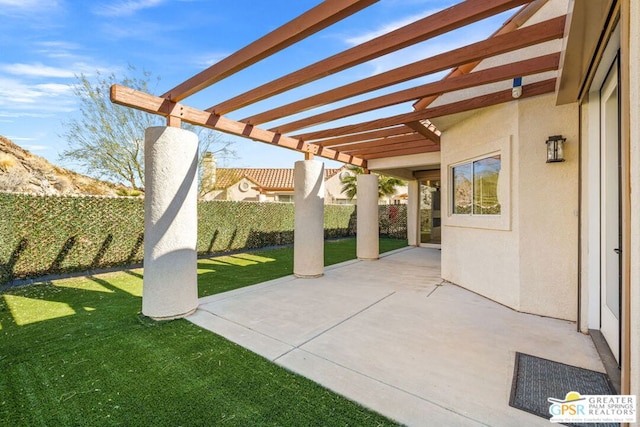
[[49, 235], [42, 235]]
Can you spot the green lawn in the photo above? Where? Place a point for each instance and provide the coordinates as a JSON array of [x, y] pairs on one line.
[[77, 352]]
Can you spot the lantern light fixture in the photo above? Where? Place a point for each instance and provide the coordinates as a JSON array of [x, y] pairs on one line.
[[516, 90], [555, 149]]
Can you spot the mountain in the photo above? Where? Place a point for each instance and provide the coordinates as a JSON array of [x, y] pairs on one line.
[[23, 172]]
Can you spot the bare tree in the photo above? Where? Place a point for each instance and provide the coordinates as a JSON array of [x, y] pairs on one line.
[[107, 140]]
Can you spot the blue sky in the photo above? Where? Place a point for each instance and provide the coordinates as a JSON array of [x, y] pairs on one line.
[[44, 44]]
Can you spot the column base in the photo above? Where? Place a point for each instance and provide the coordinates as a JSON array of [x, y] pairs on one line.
[[173, 317], [308, 276]]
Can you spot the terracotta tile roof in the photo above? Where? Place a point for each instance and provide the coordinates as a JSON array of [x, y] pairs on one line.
[[265, 178]]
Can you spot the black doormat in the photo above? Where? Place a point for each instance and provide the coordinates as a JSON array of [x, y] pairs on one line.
[[536, 379]]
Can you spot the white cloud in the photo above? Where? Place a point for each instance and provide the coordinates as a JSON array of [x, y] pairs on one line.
[[34, 147], [54, 89], [19, 115], [411, 54], [387, 28], [19, 138], [39, 70], [28, 4], [36, 70], [58, 44], [208, 59], [127, 7], [28, 7], [58, 49], [142, 30], [44, 98], [428, 48]]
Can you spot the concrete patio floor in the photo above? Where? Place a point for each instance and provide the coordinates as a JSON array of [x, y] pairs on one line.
[[392, 336]]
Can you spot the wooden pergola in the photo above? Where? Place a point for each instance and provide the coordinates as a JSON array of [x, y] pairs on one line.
[[386, 136]]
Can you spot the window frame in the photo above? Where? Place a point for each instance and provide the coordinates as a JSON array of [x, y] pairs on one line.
[[472, 166], [502, 221]]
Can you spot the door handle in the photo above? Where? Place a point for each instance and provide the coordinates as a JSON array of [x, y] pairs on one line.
[[618, 251]]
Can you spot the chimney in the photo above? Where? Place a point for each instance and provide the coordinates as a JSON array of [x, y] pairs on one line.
[[208, 171]]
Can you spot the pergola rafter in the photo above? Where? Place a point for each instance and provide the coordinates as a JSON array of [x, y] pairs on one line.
[[325, 14], [430, 132], [384, 142], [534, 34], [495, 98], [439, 23], [364, 136], [392, 147], [401, 152], [512, 24], [490, 75], [397, 135]]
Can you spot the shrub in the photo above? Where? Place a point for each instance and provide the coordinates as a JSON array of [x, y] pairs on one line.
[[42, 235], [6, 162]]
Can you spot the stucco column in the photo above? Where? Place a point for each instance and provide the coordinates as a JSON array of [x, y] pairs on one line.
[[170, 287], [308, 240], [413, 212], [367, 244]]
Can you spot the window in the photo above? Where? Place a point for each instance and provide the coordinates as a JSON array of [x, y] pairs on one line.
[[285, 198], [475, 187], [342, 202]]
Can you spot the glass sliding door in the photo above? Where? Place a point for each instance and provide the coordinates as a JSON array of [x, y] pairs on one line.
[[430, 227]]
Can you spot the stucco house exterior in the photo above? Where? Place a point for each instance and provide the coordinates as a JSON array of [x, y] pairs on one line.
[[262, 184], [551, 236], [275, 185]]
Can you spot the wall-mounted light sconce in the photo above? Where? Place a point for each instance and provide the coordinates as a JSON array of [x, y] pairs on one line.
[[516, 91], [555, 149]]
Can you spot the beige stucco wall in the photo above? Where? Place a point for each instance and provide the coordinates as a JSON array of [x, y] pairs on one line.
[[527, 258], [403, 166], [234, 192], [333, 189], [483, 260], [548, 209]]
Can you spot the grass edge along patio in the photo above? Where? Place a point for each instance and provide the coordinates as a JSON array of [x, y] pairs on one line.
[[77, 352]]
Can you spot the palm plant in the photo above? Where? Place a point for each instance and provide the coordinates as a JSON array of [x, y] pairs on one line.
[[386, 184]]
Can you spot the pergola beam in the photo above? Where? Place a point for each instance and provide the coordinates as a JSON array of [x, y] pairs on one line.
[[490, 75], [395, 147], [402, 152], [528, 36], [365, 136], [425, 131], [495, 98], [155, 105], [325, 14], [383, 142], [439, 23], [512, 24]]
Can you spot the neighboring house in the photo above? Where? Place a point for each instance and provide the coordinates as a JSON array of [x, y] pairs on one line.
[[558, 239], [272, 185]]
